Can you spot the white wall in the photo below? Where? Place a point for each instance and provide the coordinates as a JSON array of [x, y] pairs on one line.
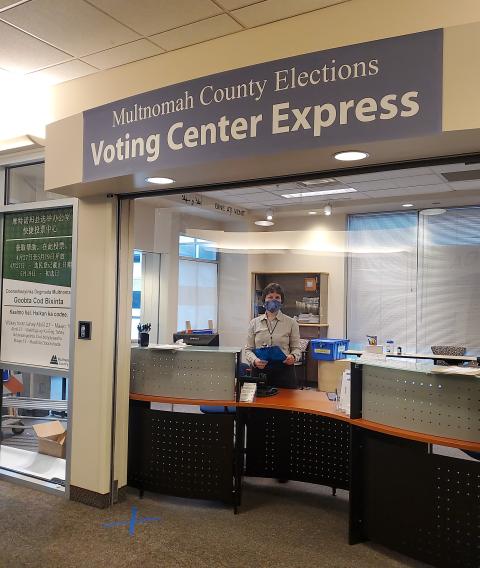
[[318, 247]]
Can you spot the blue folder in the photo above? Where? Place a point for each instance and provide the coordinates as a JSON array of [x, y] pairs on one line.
[[273, 353]]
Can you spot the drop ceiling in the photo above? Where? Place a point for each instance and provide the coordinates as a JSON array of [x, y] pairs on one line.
[[60, 40], [380, 191]]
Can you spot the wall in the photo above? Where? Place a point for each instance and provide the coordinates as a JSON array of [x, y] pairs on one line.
[[318, 246], [94, 360], [325, 241], [315, 31]]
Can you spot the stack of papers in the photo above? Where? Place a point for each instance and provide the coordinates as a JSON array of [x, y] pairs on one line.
[[247, 394]]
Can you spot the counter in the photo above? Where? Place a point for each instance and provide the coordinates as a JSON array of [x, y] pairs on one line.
[[401, 493]]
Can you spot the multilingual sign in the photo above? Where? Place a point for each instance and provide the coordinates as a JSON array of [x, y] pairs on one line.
[[36, 294], [380, 90]]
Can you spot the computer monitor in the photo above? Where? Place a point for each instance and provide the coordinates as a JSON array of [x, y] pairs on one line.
[[202, 339]]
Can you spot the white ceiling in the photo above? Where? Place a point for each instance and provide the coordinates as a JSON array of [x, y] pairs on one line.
[[385, 190], [60, 40]]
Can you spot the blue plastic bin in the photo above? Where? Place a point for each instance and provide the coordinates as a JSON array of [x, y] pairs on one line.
[[329, 349]]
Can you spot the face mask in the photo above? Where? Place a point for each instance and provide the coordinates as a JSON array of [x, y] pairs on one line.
[[273, 305]]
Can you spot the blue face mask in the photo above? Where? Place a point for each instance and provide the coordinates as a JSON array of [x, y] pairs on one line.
[[272, 305]]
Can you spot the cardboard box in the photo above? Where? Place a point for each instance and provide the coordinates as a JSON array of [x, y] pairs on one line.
[[51, 438], [330, 374]]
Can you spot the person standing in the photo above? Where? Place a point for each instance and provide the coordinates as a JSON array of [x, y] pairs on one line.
[[274, 328]]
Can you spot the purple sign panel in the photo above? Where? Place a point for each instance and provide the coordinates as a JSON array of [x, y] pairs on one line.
[[379, 90]]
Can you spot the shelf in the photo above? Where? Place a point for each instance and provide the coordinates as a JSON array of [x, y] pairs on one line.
[[312, 324]]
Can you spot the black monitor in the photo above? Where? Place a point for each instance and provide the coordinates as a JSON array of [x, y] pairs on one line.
[[202, 339]]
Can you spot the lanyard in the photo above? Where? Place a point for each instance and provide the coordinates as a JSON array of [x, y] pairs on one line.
[[271, 330]]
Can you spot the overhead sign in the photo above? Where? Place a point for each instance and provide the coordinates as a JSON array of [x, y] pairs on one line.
[[379, 90], [37, 268]]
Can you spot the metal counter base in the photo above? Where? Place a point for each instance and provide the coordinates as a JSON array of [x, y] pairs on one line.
[[181, 454], [296, 446], [423, 505], [402, 496]]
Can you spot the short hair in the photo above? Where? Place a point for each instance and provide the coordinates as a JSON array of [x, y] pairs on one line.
[[273, 287]]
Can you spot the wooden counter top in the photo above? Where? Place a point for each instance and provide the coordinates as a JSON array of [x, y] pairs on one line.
[[417, 436], [310, 401], [314, 402], [172, 400]]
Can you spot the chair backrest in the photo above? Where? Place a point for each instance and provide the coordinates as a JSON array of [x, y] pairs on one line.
[[304, 344]]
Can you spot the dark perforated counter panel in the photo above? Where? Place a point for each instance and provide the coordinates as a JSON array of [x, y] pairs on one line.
[[424, 505], [297, 446], [183, 454]]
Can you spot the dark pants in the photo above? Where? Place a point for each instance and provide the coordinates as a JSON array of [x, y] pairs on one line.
[[277, 374]]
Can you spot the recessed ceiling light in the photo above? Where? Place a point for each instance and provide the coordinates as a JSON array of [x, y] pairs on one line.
[[407, 205], [350, 156], [433, 211], [159, 180], [323, 192], [318, 181], [264, 223], [312, 212]]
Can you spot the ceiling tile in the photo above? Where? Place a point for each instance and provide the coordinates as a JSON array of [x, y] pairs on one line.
[[234, 4], [246, 190], [22, 53], [410, 191], [465, 185], [150, 17], [64, 72], [411, 181], [406, 172], [71, 25], [392, 183], [273, 10], [456, 167], [195, 33], [123, 54]]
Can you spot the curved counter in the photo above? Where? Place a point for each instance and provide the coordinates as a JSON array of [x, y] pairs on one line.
[[402, 489], [314, 402]]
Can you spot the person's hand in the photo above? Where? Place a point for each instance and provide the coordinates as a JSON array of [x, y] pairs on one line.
[[290, 360], [260, 364]]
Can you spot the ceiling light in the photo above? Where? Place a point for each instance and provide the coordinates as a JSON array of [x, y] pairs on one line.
[[312, 212], [269, 215], [323, 192], [317, 181], [327, 210], [407, 205], [433, 211], [159, 180], [264, 223], [350, 156]]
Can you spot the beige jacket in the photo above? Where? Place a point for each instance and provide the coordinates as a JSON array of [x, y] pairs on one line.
[[282, 331]]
